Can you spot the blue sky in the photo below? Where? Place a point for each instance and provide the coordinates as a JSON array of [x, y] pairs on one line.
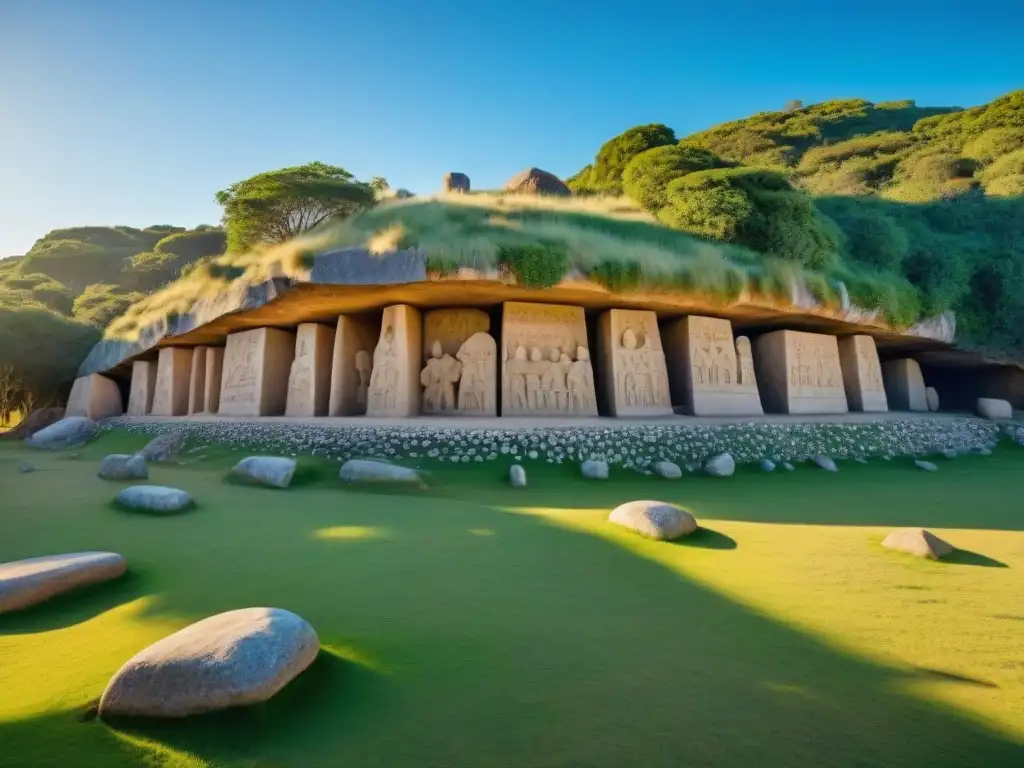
[[137, 112]]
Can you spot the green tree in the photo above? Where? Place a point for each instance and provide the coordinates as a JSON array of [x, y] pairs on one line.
[[605, 175], [276, 206], [648, 174], [379, 183]]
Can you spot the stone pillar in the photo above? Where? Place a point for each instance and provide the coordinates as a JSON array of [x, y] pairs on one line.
[[904, 385], [449, 365], [351, 365], [256, 367], [95, 397], [862, 374], [631, 363], [140, 398], [800, 373], [173, 375], [197, 381], [395, 383], [309, 383], [710, 374], [545, 361], [214, 370]]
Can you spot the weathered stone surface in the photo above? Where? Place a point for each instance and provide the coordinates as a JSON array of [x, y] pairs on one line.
[[357, 266], [710, 374], [517, 476], [271, 471], [721, 465], [123, 466], [440, 379], [667, 469], [351, 365], [534, 181], [478, 382], [214, 373], [95, 397], [594, 469], [654, 519], [800, 373], [232, 659], [991, 408], [69, 431], [767, 465], [309, 382], [38, 419], [931, 396], [197, 381], [25, 583], [163, 447], [927, 466], [546, 366], [456, 182], [904, 385], [631, 362], [369, 471], [918, 542], [140, 396], [256, 367], [395, 383], [154, 498], [452, 328], [173, 377], [862, 374], [824, 462]]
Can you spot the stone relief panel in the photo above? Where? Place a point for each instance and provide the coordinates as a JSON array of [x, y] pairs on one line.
[[633, 364], [173, 375], [800, 373], [451, 328], [904, 385], [862, 374], [140, 397], [710, 373], [352, 364], [309, 381], [257, 364], [439, 378], [478, 381], [394, 388], [214, 371], [197, 381], [546, 367]]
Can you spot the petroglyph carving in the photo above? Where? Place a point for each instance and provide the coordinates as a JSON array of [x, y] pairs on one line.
[[800, 373], [479, 358], [394, 384], [862, 374], [632, 363], [364, 367], [452, 327], [439, 377]]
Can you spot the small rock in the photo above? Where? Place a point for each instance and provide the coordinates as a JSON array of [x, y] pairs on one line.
[[767, 465], [594, 469], [931, 396], [667, 469], [993, 408], [721, 465], [517, 476], [787, 466], [25, 583], [163, 447], [826, 463], [654, 519], [271, 471], [861, 460], [121, 466], [927, 466], [26, 466], [154, 498], [232, 659], [985, 452], [371, 471], [919, 542], [887, 457], [74, 430], [949, 453]]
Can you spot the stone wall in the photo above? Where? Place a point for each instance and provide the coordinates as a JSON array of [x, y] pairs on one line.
[[255, 376]]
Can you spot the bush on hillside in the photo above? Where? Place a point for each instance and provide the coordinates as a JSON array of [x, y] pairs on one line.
[[99, 304], [647, 175], [605, 175]]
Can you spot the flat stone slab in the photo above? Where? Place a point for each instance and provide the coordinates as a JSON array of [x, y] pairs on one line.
[[271, 471], [68, 432], [369, 471], [154, 498], [654, 519], [917, 542], [232, 659], [123, 466], [25, 583]]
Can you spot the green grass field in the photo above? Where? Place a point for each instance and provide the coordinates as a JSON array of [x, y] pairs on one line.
[[473, 625]]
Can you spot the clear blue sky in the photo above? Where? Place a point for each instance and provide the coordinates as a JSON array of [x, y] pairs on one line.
[[137, 111]]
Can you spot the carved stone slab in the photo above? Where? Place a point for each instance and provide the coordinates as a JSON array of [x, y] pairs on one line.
[[395, 383], [632, 364], [256, 368], [710, 373], [309, 383], [95, 397], [800, 373], [451, 327], [478, 383], [862, 374], [173, 374], [904, 385], [197, 381], [545, 361], [351, 365], [214, 371], [140, 397]]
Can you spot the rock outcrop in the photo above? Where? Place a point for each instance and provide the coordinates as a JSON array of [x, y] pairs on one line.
[[25, 583], [456, 182], [534, 181]]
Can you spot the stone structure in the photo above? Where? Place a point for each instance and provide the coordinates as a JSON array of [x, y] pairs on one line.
[[214, 371], [173, 376], [351, 365], [545, 361], [309, 383], [95, 397], [197, 381], [394, 388], [256, 367], [440, 377], [451, 327], [632, 364], [710, 374], [904, 385], [478, 383], [140, 397], [862, 374], [800, 373], [456, 182]]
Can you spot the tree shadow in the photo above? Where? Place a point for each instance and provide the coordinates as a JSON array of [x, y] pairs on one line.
[[951, 677], [706, 538], [967, 557]]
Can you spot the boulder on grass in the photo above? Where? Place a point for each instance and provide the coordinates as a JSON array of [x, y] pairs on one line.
[[826, 463], [154, 498], [931, 396], [534, 181], [654, 519], [517, 476], [39, 419], [767, 465], [232, 659], [74, 430], [271, 471], [667, 469], [594, 469], [122, 466], [992, 408], [917, 542], [721, 465], [163, 447], [927, 466], [25, 583], [370, 471]]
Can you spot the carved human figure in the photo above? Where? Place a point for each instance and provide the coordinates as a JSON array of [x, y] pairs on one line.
[[580, 381], [477, 356], [364, 366], [746, 362], [384, 379], [438, 378], [533, 373], [552, 382], [517, 366]]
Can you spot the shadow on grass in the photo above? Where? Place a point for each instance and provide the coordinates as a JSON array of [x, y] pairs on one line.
[[706, 538], [121, 509], [952, 677], [967, 557]]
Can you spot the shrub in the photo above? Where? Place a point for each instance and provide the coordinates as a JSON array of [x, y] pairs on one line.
[[605, 176], [534, 265], [647, 175], [101, 303]]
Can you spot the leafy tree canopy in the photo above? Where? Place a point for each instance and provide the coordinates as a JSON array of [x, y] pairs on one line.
[[605, 175]]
